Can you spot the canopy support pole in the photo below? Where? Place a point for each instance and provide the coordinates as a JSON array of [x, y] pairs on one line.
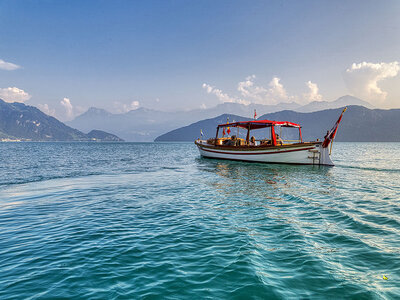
[[273, 136], [216, 137], [248, 135], [301, 137]]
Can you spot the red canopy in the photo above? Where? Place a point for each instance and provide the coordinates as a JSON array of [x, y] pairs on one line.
[[256, 124]]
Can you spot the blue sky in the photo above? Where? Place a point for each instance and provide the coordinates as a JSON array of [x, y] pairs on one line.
[[172, 55]]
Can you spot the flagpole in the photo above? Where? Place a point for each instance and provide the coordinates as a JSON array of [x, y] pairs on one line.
[[330, 149], [330, 136]]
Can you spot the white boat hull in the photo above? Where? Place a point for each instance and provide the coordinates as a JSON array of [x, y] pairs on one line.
[[305, 154]]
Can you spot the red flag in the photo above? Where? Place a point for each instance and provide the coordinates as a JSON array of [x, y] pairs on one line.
[[223, 131], [255, 114], [332, 133], [228, 130]]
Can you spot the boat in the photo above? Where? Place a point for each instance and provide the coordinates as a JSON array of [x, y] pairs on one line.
[[271, 149]]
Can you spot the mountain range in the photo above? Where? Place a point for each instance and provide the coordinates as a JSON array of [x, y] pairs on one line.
[[146, 124], [359, 124], [22, 122]]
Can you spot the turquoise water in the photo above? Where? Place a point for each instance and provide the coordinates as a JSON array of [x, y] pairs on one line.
[[156, 221]]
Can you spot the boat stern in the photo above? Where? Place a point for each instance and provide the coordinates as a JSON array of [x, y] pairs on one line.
[[325, 158]]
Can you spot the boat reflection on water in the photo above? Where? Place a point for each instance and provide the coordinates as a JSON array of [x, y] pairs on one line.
[[258, 180], [268, 193]]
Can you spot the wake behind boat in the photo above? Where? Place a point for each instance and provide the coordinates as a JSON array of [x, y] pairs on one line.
[[271, 149]]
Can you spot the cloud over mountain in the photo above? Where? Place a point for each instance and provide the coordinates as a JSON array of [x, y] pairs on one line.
[[47, 110], [123, 107], [261, 95], [14, 94], [69, 109], [273, 94], [313, 94], [363, 79], [223, 97]]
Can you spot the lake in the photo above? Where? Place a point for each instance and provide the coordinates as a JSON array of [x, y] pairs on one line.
[[157, 221]]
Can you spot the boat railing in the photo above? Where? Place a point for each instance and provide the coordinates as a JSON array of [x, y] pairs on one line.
[[292, 141], [242, 142]]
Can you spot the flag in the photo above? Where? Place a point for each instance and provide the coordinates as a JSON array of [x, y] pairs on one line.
[[332, 133], [255, 114], [228, 130], [223, 131], [201, 132]]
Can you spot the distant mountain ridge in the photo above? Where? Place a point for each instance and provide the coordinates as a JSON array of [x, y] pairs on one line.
[[22, 122], [192, 131], [340, 102], [359, 124], [145, 124], [102, 136]]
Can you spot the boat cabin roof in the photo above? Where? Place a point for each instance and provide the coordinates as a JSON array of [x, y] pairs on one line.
[[256, 124]]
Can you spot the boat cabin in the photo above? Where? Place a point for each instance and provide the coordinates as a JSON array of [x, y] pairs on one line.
[[273, 140]]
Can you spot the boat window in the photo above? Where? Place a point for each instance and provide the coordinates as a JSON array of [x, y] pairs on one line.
[[289, 135]]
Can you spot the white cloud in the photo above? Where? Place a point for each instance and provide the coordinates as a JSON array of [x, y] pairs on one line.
[[14, 94], [69, 109], [123, 108], [252, 93], [47, 110], [313, 94], [222, 96], [8, 66], [273, 94], [248, 90], [362, 79], [277, 91]]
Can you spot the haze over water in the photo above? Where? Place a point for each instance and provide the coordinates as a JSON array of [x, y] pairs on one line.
[[132, 220]]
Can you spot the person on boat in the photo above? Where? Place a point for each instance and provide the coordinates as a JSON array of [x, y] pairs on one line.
[[232, 141], [265, 142], [279, 141], [252, 141]]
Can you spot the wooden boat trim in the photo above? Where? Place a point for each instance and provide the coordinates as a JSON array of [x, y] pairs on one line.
[[254, 148], [258, 153]]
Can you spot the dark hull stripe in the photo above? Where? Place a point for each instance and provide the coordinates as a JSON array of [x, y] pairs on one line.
[[263, 162]]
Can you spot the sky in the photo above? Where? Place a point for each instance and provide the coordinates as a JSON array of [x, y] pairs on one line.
[[67, 56]]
